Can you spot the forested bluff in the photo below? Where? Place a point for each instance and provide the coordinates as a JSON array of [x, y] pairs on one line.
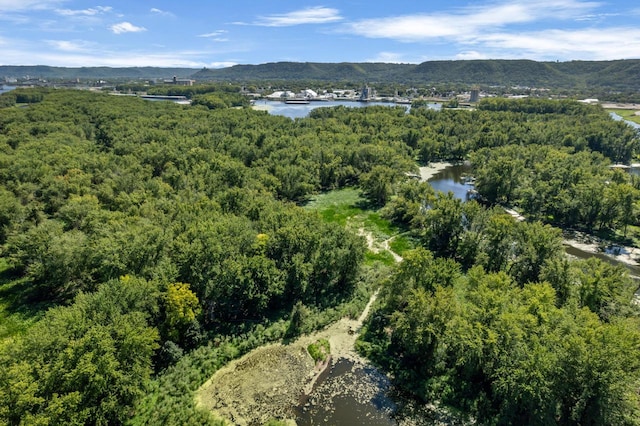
[[616, 75], [146, 244]]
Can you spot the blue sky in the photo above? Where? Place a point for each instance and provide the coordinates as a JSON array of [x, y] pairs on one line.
[[222, 33]]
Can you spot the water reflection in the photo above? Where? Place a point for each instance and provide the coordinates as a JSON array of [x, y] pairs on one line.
[[452, 179], [349, 394], [302, 110]]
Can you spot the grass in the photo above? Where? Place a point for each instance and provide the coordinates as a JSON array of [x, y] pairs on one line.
[[402, 243], [379, 227], [319, 350], [348, 208], [627, 114], [338, 206], [18, 312], [383, 257]]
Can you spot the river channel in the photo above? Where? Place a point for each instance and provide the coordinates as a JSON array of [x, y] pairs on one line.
[[303, 110], [452, 179]]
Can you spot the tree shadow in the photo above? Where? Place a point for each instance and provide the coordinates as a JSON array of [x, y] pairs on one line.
[[23, 297]]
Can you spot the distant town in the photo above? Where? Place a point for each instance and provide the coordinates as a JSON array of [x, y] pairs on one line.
[[366, 93]]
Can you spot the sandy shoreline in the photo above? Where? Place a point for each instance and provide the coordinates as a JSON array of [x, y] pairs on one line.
[[262, 107], [590, 244], [610, 105], [427, 172]]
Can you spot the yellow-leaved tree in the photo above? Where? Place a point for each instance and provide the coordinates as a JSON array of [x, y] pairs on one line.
[[181, 307]]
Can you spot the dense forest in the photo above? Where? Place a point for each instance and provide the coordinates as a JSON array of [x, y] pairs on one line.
[[620, 75], [149, 243]]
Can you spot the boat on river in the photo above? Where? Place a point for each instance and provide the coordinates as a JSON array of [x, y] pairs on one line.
[[297, 101]]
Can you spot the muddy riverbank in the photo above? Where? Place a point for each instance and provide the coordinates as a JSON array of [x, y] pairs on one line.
[[281, 381], [271, 381], [590, 244]]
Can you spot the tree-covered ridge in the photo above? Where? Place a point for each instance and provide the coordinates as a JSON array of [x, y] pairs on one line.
[[618, 75], [612, 75], [50, 72]]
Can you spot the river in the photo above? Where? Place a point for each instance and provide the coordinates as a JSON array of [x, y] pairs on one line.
[[452, 179], [618, 118], [302, 110], [6, 88]]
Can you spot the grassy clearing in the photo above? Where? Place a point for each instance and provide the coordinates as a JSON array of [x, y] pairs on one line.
[[338, 206], [627, 114], [402, 243], [17, 311], [383, 257], [348, 208]]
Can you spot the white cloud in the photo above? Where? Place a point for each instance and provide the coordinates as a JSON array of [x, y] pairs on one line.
[[216, 33], [22, 5], [86, 53], [69, 45], [15, 18], [311, 15], [126, 27], [592, 43], [466, 22], [109, 58], [390, 58], [160, 12], [222, 64], [495, 30], [92, 11], [471, 54]]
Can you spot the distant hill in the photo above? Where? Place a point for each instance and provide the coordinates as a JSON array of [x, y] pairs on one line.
[[621, 75], [50, 73], [493, 72], [344, 71]]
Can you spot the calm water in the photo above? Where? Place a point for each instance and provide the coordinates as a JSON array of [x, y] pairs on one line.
[[618, 118], [6, 89], [349, 394], [301, 111], [452, 179]]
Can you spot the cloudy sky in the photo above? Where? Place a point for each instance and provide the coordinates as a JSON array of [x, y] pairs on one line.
[[222, 33]]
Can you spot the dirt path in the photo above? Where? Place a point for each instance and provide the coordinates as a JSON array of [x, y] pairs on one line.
[[269, 381]]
